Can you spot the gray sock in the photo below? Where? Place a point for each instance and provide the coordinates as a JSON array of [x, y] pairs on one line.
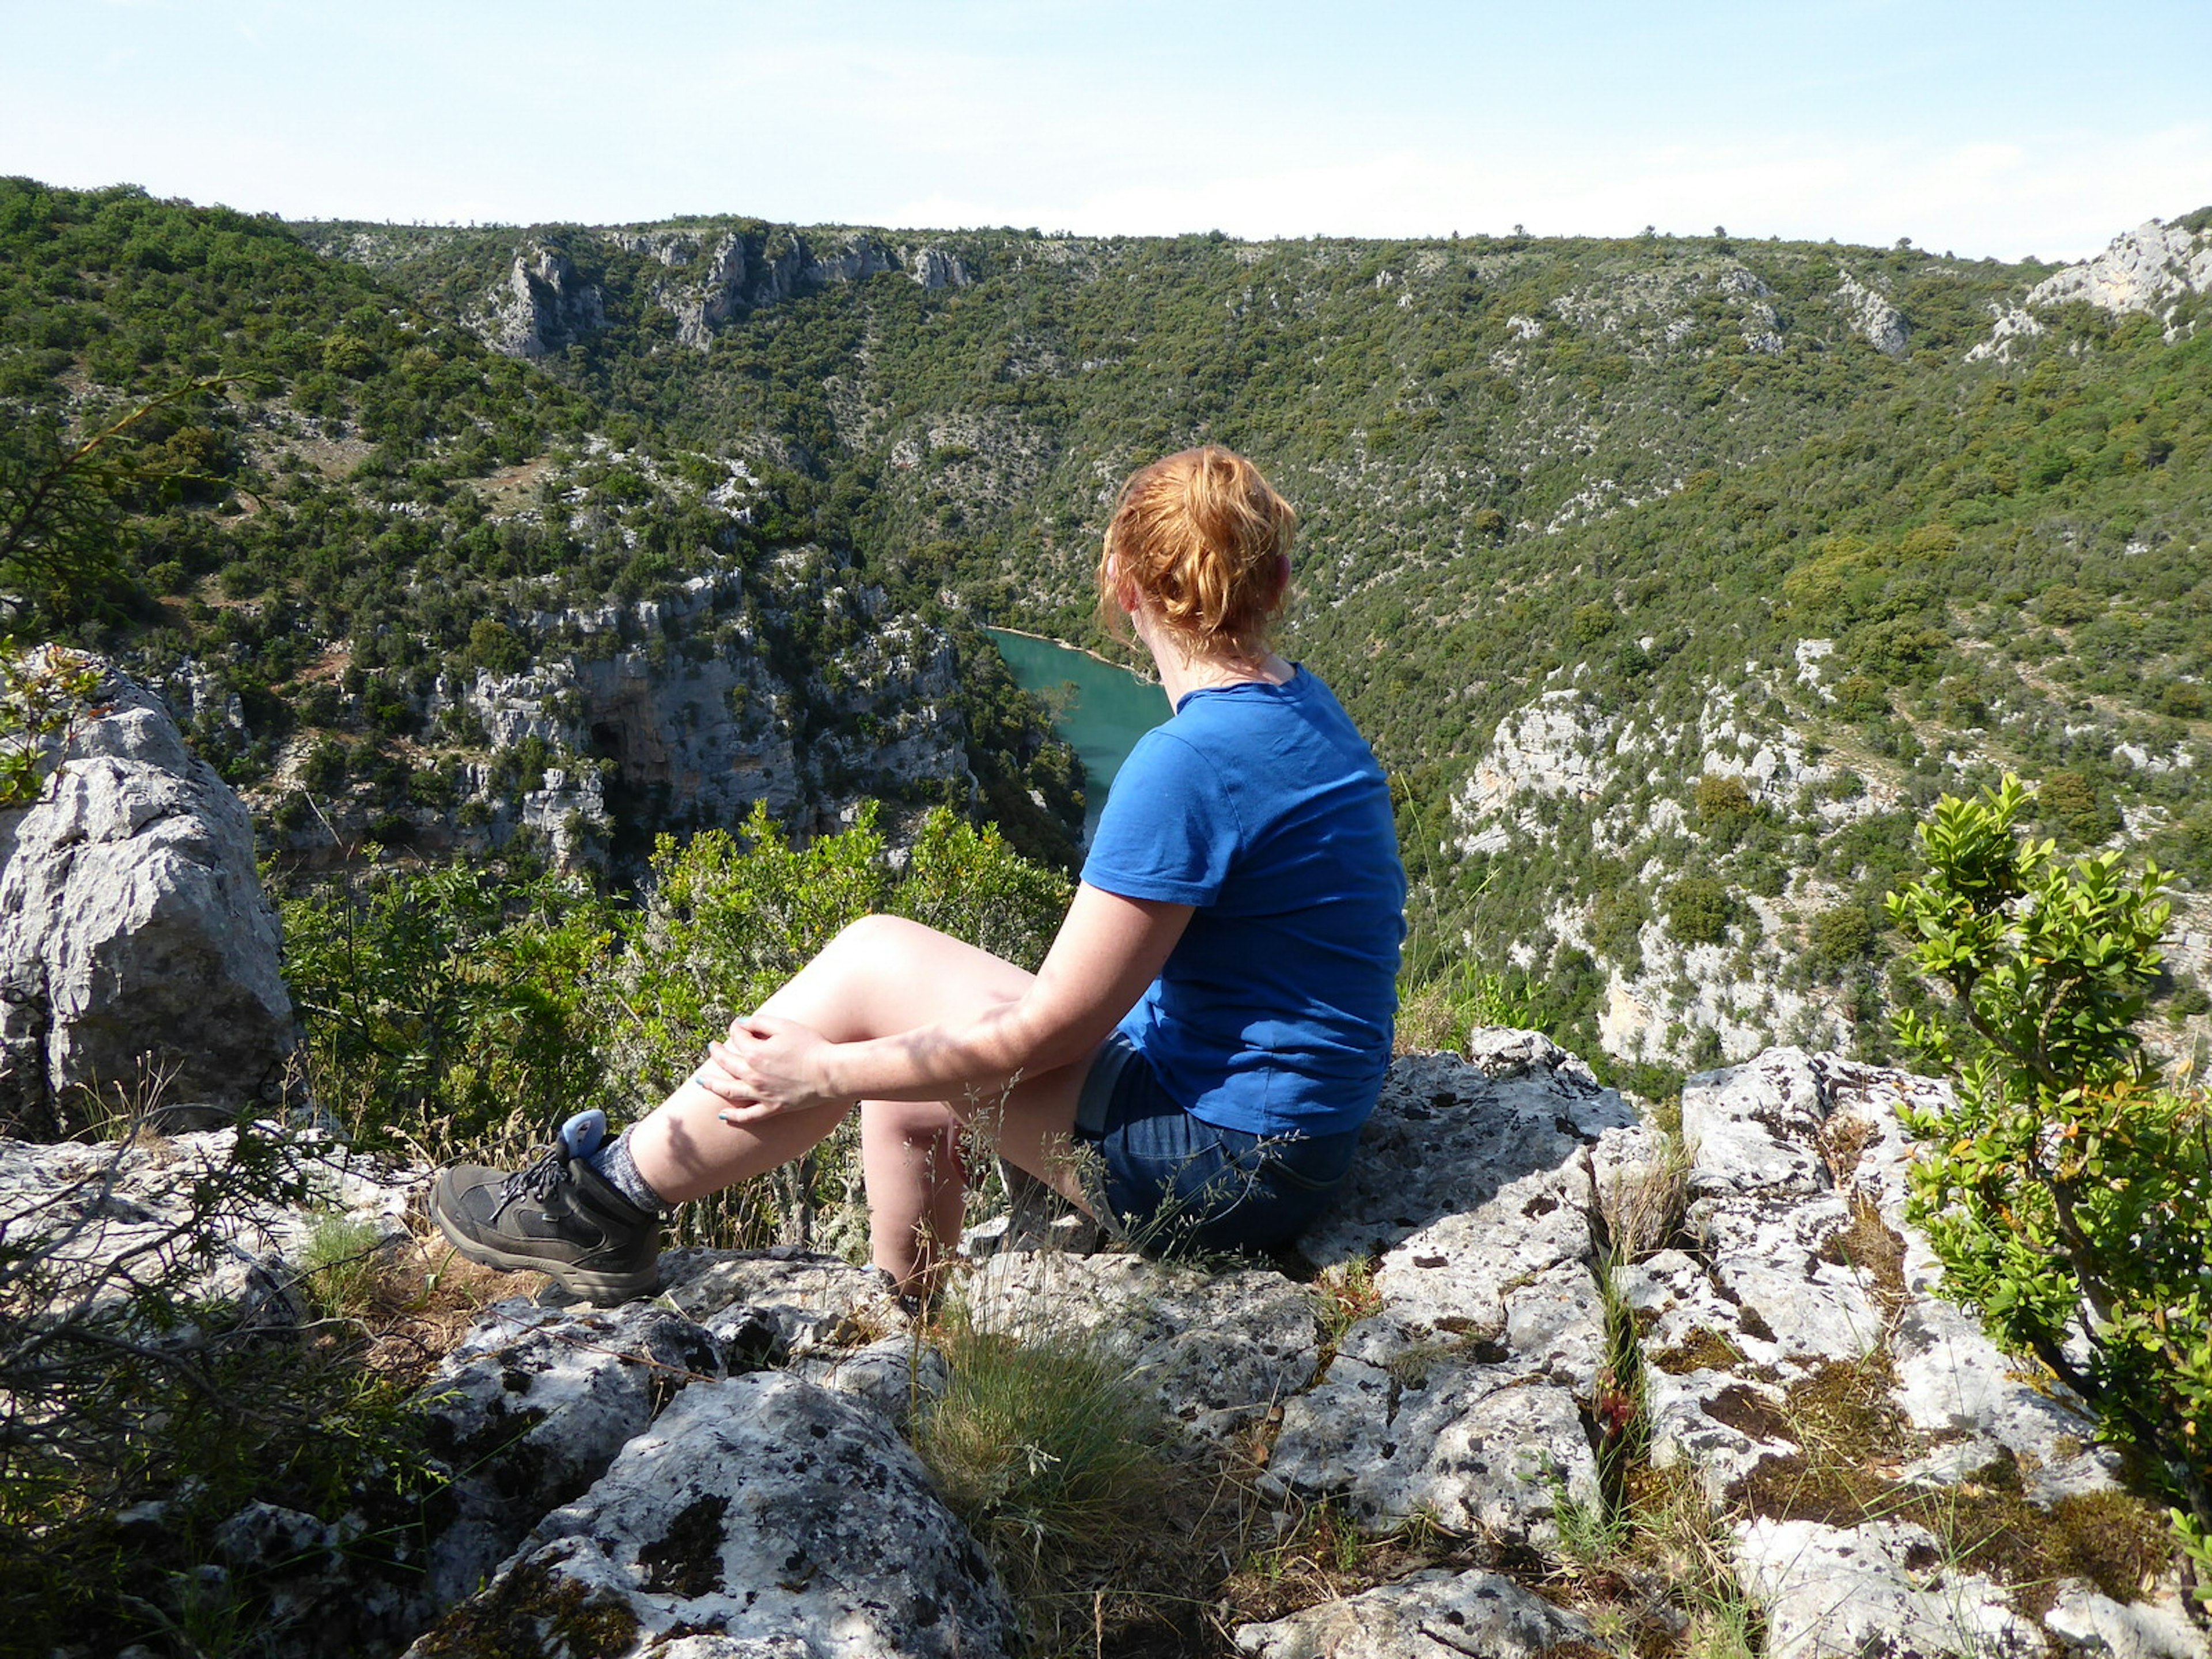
[[613, 1161]]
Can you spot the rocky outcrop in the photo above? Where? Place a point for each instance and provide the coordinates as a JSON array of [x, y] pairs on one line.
[[765, 1514], [530, 1408], [682, 700], [2149, 268], [2143, 270], [788, 685], [2010, 326], [228, 1231], [704, 280], [722, 1471], [1872, 317], [543, 306], [1558, 745], [134, 940]]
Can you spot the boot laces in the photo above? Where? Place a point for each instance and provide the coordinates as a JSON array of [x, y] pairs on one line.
[[540, 1178]]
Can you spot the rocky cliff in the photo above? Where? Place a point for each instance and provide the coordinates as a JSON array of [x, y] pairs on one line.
[[701, 279]]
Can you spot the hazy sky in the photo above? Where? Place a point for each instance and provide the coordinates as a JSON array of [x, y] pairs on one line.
[[2025, 127]]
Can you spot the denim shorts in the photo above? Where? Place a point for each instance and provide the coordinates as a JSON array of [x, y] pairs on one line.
[[1170, 1180]]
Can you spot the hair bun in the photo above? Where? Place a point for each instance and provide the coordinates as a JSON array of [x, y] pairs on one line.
[[1203, 535]]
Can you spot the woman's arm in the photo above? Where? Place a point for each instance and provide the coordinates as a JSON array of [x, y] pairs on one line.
[[1108, 950]]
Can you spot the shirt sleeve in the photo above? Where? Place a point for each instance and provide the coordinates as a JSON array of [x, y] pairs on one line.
[[1168, 829]]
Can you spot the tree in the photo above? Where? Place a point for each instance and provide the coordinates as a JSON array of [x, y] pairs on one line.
[[2066, 1194], [62, 507]]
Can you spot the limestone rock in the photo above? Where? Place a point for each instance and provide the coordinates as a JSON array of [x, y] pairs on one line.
[[1881, 1590], [133, 927], [121, 1216], [531, 1407], [1471, 1190], [1560, 745], [759, 1516], [695, 730], [2143, 269], [2008, 323], [811, 1302], [2097, 1627], [1872, 317], [1479, 1447], [1429, 1615], [893, 1374], [1219, 1348], [543, 306]]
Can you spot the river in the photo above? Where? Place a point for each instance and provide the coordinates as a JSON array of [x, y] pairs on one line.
[[1098, 709]]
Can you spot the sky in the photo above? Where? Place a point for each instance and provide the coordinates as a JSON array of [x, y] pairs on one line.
[[2001, 129]]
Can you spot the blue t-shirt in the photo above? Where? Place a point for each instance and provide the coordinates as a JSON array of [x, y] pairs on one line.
[[1262, 806]]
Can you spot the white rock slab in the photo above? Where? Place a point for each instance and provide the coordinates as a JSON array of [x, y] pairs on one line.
[[1429, 1615], [1876, 1591], [1220, 1348]]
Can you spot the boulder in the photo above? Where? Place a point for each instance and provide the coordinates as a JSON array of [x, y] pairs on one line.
[[135, 938], [759, 1516], [531, 1407], [2095, 1626]]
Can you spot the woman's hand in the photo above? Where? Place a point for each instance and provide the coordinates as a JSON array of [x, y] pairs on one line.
[[766, 1066]]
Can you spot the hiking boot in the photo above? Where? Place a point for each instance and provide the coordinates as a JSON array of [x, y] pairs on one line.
[[560, 1216]]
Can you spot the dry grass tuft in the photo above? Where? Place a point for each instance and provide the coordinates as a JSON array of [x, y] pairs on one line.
[[1644, 1208]]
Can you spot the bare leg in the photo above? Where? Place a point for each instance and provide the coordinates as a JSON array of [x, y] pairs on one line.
[[881, 975], [917, 1186]]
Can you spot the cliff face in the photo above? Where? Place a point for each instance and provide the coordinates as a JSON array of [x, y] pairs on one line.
[[679, 713], [2148, 270], [1640, 809], [704, 280]]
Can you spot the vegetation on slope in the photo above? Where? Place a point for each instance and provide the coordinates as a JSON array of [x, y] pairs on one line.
[[1646, 470]]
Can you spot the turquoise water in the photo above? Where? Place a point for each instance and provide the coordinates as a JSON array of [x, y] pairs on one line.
[[1097, 708]]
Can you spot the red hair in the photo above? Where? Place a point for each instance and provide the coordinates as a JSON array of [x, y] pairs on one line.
[[1206, 538]]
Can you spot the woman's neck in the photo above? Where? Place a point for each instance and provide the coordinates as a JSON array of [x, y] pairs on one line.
[[1183, 672]]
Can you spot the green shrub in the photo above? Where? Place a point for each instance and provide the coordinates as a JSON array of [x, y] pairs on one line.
[[450, 1006], [1841, 936], [2067, 1195], [2072, 805], [1698, 910]]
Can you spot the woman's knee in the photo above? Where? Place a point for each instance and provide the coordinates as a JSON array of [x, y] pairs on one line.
[[875, 936]]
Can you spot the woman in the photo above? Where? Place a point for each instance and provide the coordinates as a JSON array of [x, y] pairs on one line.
[[1205, 1036]]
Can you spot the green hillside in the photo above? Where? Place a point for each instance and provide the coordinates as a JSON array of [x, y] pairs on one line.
[[1644, 470], [357, 508], [1673, 577]]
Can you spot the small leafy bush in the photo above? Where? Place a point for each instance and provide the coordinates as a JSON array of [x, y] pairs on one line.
[[2067, 1195], [441, 1004], [41, 693]]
